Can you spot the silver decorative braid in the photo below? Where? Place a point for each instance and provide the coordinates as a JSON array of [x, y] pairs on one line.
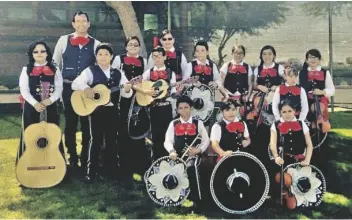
[[129, 120], [235, 175]]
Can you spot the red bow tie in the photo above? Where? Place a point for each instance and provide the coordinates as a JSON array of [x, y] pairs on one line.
[[237, 69], [268, 72], [132, 61], [235, 127], [285, 127], [158, 74], [38, 70], [171, 55], [202, 69], [185, 129], [294, 90], [75, 41], [315, 75]]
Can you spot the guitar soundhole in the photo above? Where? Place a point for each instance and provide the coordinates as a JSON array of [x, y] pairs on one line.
[[96, 96], [156, 87], [42, 143]]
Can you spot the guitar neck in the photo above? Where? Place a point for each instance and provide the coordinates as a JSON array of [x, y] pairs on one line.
[[43, 115]]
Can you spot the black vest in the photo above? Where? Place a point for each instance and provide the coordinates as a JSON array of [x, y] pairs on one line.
[[76, 59], [175, 64], [295, 99], [230, 140], [294, 141], [182, 141], [271, 81], [311, 85], [203, 78], [132, 71], [236, 81], [114, 80], [34, 83]]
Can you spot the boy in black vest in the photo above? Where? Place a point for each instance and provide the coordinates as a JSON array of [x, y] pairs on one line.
[[103, 122], [180, 134]]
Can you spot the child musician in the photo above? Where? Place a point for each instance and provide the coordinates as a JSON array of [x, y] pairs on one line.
[[103, 122], [296, 139], [290, 90], [161, 109], [175, 59], [133, 66], [229, 134], [316, 81], [204, 68], [180, 134], [237, 76], [39, 69]]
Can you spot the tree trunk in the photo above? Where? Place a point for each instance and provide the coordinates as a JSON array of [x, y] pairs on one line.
[[128, 20], [186, 39]]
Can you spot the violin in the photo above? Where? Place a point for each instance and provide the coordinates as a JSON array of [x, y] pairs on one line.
[[318, 108], [259, 103], [285, 181]]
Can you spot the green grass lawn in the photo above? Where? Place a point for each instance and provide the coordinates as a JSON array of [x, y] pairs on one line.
[[74, 199]]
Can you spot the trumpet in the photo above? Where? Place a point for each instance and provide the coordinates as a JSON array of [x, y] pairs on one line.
[[189, 147]]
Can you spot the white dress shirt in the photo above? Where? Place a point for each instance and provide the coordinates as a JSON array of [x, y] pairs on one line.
[[329, 84], [216, 75], [215, 134], [281, 69], [183, 61], [225, 66], [61, 47], [170, 135], [146, 76], [25, 91], [304, 126], [85, 79], [117, 62], [304, 104]]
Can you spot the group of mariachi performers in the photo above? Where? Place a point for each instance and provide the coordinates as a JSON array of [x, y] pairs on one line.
[[269, 106]]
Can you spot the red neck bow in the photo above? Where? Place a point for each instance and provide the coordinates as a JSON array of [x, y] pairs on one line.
[[268, 72], [38, 70], [158, 74], [132, 61], [285, 127], [75, 41], [234, 68], [171, 55], [315, 75], [294, 90], [202, 69], [234, 127], [185, 129]]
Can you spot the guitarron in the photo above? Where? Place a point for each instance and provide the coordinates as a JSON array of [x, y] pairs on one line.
[[84, 106], [42, 164]]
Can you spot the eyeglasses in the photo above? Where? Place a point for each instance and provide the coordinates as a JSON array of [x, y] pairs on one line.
[[313, 58], [165, 39], [133, 45], [41, 51], [156, 56]]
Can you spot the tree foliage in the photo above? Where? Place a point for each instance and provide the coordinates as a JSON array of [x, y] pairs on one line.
[[219, 21], [321, 9]]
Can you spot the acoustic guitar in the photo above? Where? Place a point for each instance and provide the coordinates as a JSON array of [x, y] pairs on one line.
[[161, 86], [84, 106], [42, 164]]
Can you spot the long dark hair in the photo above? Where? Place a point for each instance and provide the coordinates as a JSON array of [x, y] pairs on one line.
[[267, 47], [313, 52], [31, 60]]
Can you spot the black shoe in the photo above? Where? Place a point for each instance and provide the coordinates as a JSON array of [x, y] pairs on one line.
[[88, 179]]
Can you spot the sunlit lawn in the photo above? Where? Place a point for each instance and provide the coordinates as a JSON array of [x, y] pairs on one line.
[[74, 199]]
